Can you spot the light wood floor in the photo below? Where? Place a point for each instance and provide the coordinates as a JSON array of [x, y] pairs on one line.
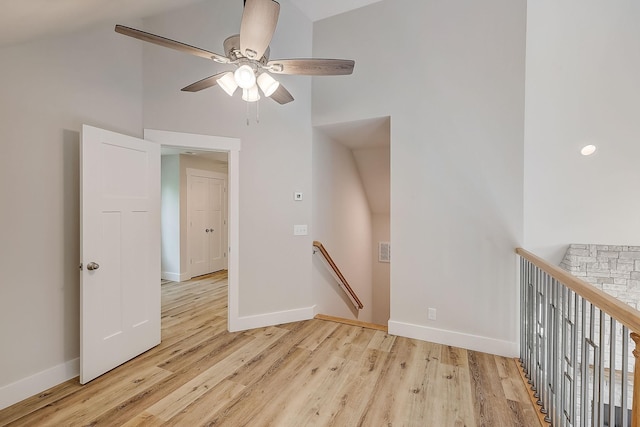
[[311, 373]]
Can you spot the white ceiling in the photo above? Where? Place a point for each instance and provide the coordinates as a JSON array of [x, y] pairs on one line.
[[370, 142], [320, 9], [24, 20]]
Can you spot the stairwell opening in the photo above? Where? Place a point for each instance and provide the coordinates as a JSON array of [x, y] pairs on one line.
[[351, 215]]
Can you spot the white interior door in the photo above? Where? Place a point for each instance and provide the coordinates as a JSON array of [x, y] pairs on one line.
[[217, 230], [198, 223], [120, 250], [206, 216]]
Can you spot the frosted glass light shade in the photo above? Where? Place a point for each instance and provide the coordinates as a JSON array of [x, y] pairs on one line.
[[251, 94], [588, 150], [245, 77], [268, 84], [228, 83]]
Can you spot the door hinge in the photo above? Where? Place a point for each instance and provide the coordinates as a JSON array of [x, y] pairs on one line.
[[80, 266]]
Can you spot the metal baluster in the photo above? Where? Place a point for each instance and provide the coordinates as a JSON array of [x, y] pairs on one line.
[[624, 391], [550, 349], [556, 386], [538, 353], [565, 303], [583, 370], [599, 383], [523, 310], [531, 331], [544, 333], [534, 334], [612, 371]]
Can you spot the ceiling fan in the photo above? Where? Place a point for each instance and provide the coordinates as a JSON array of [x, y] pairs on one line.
[[249, 53]]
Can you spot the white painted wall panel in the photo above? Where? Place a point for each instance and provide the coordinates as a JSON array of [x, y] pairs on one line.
[[49, 88], [456, 102], [275, 266], [583, 62]]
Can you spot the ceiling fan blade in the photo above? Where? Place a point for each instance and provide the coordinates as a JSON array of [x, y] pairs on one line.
[[259, 21], [204, 83], [282, 95], [165, 42], [312, 67]]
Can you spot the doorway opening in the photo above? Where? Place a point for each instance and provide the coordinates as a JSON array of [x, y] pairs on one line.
[[217, 149], [352, 209], [194, 213]]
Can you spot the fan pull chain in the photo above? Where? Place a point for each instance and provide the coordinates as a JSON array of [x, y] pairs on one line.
[[258, 112], [247, 114]]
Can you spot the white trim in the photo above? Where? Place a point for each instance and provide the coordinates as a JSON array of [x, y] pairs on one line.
[[37, 383], [232, 146], [192, 140], [175, 277], [455, 339], [270, 319]]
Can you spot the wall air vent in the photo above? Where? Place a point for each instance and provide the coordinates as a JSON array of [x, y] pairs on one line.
[[384, 252]]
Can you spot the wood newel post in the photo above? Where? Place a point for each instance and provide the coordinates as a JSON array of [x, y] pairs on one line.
[[635, 408]]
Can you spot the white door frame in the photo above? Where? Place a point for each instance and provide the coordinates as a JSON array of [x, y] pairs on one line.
[[232, 147]]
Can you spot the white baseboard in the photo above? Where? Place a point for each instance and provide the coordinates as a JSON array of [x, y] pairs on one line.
[[37, 383], [269, 319], [456, 339], [175, 277]]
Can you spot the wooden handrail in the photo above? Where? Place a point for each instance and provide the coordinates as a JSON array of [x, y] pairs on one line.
[[345, 285], [622, 312], [616, 309]]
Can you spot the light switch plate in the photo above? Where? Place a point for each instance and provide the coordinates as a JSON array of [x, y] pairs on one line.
[[300, 230]]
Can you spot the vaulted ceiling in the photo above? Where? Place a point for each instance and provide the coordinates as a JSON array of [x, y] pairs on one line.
[[24, 20]]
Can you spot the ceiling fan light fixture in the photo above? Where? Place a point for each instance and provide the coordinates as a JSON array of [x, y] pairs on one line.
[[251, 94], [267, 84], [228, 83], [245, 77]]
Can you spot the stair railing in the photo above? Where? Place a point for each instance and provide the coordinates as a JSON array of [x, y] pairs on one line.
[[574, 348], [342, 282]]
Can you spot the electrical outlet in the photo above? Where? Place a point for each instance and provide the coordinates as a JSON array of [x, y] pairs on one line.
[[300, 230], [432, 313]]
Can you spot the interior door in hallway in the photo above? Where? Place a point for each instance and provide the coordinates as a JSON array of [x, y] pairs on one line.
[[206, 219], [119, 249]]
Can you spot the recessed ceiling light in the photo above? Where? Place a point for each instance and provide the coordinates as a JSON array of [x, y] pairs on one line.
[[191, 153], [588, 150]]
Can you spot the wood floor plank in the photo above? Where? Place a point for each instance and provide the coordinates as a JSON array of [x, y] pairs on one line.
[[349, 405], [382, 341], [81, 408], [309, 373], [182, 397]]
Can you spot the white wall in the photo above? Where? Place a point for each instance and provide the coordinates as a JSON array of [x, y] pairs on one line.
[[342, 222], [454, 91], [381, 271], [170, 214], [275, 266], [48, 89], [583, 63]]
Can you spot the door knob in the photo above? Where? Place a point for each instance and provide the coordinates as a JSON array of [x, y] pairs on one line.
[[206, 231], [93, 266]]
